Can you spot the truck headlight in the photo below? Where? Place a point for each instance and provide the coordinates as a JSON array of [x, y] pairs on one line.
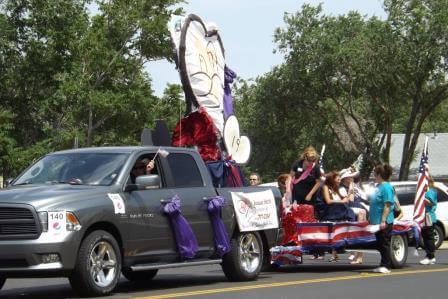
[[72, 223], [43, 219]]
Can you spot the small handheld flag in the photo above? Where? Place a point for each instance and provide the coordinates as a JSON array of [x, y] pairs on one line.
[[160, 152]]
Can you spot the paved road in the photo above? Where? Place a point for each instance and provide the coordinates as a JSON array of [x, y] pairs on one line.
[[314, 279]]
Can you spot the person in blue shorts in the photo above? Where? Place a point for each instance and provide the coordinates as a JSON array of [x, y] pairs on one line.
[[382, 214], [430, 221]]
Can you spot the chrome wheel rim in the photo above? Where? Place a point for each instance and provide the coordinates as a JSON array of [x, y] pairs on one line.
[[250, 256], [398, 247], [103, 264]]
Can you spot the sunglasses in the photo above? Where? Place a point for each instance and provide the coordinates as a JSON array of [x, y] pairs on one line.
[[253, 179], [139, 167]]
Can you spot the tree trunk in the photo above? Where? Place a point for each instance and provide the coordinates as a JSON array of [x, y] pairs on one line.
[[388, 141], [406, 155], [414, 142], [90, 127]]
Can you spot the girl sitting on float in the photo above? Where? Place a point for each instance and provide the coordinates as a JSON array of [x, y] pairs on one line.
[[335, 206], [347, 187]]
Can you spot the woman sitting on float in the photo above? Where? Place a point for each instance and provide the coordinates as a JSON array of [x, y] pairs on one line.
[[335, 207], [347, 187]]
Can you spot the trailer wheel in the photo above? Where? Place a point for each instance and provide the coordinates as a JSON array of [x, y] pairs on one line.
[[398, 250]]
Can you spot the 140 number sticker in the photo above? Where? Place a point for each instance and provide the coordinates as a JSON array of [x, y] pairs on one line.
[[57, 222]]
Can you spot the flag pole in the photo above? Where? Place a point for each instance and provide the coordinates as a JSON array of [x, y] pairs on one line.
[[155, 156], [425, 149], [322, 151]]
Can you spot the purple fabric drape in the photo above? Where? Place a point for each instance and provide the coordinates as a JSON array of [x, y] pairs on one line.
[[185, 239], [229, 75], [222, 242]]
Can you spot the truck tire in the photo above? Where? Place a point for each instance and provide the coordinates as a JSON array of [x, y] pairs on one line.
[[139, 276], [398, 250], [98, 265], [2, 282], [245, 258]]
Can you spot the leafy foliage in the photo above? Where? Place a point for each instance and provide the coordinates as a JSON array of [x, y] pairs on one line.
[[345, 81], [70, 73], [75, 69]]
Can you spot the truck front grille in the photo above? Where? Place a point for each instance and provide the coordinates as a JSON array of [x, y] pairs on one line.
[[18, 222]]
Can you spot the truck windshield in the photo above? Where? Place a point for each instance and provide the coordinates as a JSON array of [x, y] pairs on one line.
[[74, 168]]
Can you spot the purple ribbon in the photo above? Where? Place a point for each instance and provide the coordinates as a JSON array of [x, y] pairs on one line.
[[229, 76], [186, 242], [222, 242]]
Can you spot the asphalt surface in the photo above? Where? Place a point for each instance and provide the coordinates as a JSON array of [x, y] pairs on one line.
[[313, 279]]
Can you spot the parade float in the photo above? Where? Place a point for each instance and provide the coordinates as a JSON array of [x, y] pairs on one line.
[[211, 126], [304, 234]]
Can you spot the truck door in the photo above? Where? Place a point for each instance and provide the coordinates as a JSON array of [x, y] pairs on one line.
[[150, 234], [185, 180]]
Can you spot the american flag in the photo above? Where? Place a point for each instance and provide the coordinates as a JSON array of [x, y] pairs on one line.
[[422, 187]]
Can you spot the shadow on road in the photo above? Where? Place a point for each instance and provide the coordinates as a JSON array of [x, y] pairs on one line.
[[125, 289], [172, 281]]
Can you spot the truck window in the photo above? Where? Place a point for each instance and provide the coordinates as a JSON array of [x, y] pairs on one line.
[[184, 170], [139, 167], [74, 168]]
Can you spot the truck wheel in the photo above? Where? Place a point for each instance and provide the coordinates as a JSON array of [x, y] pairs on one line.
[[98, 265], [2, 282], [439, 236], [139, 276], [398, 250], [245, 258]]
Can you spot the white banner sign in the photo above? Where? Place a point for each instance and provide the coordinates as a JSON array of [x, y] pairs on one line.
[[255, 210]]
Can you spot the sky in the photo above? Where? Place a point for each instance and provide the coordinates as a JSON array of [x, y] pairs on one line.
[[247, 30]]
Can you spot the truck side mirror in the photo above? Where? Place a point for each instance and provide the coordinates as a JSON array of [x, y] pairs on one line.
[[149, 181]]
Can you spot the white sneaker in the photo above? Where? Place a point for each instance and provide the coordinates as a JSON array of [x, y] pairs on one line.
[[427, 261], [383, 270]]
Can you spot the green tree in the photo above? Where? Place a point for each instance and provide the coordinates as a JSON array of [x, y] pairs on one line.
[[421, 32], [7, 143], [171, 106], [326, 91], [348, 79], [67, 73]]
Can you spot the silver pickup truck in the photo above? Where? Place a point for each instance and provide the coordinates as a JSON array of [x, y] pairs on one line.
[[81, 214]]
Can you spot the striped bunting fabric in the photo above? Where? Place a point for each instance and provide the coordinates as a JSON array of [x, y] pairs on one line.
[[332, 235]]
